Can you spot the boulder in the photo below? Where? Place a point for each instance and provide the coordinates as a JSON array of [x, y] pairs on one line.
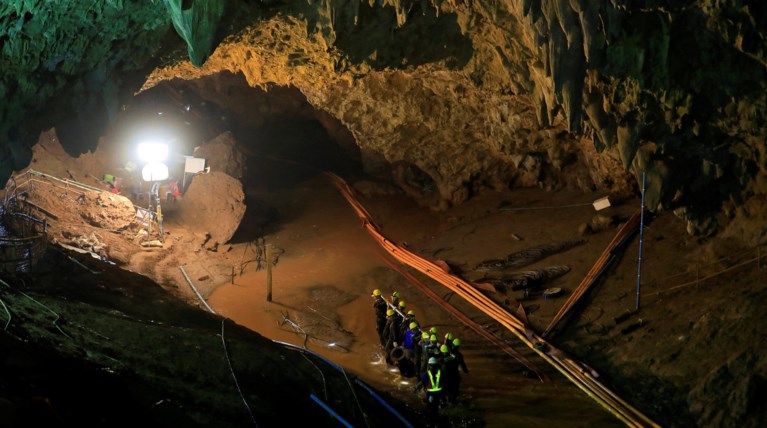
[[214, 203], [223, 155]]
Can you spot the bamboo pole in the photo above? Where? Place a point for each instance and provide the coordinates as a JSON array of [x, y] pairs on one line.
[[268, 272]]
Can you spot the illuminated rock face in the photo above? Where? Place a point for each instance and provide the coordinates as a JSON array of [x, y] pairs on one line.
[[460, 96], [213, 204]]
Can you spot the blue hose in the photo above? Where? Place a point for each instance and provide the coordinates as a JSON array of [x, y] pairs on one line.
[[360, 383], [331, 411], [290, 345], [385, 404]]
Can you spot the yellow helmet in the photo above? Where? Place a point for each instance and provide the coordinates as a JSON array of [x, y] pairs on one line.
[[457, 342], [444, 349], [376, 293], [395, 294], [425, 335], [449, 336], [401, 304], [433, 339], [389, 312], [413, 325], [433, 330], [410, 312]]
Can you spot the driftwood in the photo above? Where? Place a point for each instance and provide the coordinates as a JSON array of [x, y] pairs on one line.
[[527, 256], [534, 278], [526, 279]]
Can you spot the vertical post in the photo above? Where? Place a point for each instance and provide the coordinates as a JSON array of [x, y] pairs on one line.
[[641, 239], [268, 272], [697, 277]]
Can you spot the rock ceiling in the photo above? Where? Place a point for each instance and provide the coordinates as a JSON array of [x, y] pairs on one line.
[[469, 94]]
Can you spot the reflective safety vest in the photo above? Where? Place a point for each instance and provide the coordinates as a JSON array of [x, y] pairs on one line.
[[435, 385]]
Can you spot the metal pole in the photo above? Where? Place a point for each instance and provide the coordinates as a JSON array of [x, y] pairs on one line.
[[641, 239], [268, 272], [197, 292]]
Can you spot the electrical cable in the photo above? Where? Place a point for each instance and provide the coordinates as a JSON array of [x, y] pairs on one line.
[[7, 312], [324, 383], [40, 304], [234, 377]]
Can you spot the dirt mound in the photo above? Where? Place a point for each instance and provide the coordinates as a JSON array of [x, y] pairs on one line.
[[49, 156], [213, 204], [223, 155], [112, 212]]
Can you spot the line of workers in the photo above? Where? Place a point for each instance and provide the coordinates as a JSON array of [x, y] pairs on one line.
[[419, 353]]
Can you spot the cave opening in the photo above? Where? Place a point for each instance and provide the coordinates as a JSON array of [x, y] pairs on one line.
[[278, 139]]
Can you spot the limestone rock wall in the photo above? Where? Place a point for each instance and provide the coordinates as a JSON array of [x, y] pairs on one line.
[[455, 95], [475, 94], [63, 64], [454, 136]]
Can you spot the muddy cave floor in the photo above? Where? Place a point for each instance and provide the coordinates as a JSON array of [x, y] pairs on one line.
[[329, 266]]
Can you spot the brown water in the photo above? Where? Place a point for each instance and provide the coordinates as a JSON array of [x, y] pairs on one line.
[[326, 249]]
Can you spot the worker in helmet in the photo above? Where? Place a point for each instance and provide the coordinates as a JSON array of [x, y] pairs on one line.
[[389, 335], [420, 350], [432, 381], [447, 363], [409, 318], [430, 351], [433, 331], [393, 331], [410, 340], [452, 374], [445, 355], [394, 300], [448, 340], [379, 304]]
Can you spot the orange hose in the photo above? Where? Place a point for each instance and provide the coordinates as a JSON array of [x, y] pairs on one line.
[[572, 370]]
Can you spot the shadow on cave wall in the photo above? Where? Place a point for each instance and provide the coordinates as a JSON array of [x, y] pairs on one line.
[[425, 38]]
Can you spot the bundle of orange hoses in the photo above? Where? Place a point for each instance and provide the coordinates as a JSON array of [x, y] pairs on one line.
[[576, 372]]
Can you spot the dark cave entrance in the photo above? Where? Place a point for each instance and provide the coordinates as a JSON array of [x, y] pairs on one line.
[[282, 138]]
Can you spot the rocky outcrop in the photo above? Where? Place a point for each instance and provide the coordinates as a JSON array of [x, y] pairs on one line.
[[222, 154], [64, 64], [492, 97], [457, 96]]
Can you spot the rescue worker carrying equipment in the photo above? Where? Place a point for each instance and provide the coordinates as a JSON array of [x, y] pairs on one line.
[[379, 304], [391, 332]]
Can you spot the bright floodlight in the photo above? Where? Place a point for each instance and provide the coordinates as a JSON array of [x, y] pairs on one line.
[[152, 152], [155, 171]]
